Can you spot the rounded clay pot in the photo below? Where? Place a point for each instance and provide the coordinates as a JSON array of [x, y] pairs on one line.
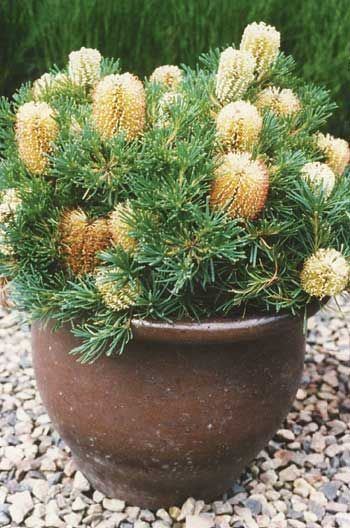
[[181, 412]]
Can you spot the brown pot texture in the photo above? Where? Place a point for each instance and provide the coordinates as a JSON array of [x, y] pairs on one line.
[[181, 412]]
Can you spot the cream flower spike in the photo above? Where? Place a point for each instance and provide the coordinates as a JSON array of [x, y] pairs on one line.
[[238, 125], [81, 240], [336, 150], [325, 273], [319, 175], [119, 105], [235, 74], [168, 75], [113, 296], [119, 229], [263, 42], [36, 129], [282, 102], [84, 66], [240, 186]]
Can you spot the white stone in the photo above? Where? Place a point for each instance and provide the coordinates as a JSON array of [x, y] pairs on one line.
[[98, 496], [199, 521], [289, 474], [187, 509], [164, 515], [344, 477], [79, 504], [80, 482], [302, 488], [40, 488], [286, 434], [73, 519], [343, 520], [114, 505], [21, 505]]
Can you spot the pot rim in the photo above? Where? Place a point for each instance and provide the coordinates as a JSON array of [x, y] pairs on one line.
[[218, 330]]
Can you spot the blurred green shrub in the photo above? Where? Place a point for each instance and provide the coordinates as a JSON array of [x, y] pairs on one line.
[[146, 33]]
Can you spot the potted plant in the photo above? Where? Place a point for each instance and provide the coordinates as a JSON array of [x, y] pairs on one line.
[[168, 239]]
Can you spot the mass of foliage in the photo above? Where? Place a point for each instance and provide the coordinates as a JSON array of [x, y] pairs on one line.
[[198, 193]]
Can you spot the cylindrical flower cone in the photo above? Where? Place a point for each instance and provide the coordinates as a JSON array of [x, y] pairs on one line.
[[263, 42], [235, 74], [238, 126], [325, 273], [119, 105], [36, 130], [240, 186], [81, 240], [336, 150]]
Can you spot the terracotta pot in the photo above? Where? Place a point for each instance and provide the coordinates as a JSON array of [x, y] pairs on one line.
[[181, 412]]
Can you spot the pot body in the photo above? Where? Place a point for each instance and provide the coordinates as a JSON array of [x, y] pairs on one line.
[[180, 413]]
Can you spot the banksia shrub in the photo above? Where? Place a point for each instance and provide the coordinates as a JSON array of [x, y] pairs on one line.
[[238, 125], [116, 295], [169, 76], [240, 186], [235, 74], [81, 240], [336, 151], [197, 194], [84, 66], [319, 176], [283, 102], [36, 130], [119, 105], [119, 229], [263, 42], [325, 273]]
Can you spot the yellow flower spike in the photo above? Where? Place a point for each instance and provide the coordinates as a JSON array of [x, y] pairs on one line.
[[319, 175], [235, 74], [115, 297], [282, 102], [168, 75], [119, 105], [336, 150], [325, 273], [263, 42], [81, 240], [120, 230], [84, 66], [238, 125], [240, 186], [36, 130]]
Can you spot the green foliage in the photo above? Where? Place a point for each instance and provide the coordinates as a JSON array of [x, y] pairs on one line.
[[190, 261], [147, 33]]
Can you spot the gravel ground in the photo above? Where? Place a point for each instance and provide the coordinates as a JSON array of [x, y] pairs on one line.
[[302, 479]]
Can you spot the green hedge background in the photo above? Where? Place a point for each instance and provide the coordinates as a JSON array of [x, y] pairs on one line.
[[146, 33]]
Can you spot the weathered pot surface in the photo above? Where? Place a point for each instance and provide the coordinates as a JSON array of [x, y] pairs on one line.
[[181, 412]]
